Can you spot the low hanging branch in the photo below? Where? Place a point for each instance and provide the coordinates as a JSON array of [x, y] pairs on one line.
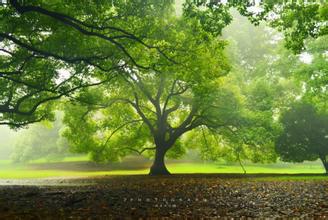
[[7, 108], [140, 151], [22, 124], [47, 54], [119, 128]]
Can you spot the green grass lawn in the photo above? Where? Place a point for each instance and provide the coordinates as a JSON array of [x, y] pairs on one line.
[[11, 171]]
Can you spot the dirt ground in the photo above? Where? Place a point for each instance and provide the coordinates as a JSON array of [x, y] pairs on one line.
[[174, 197]]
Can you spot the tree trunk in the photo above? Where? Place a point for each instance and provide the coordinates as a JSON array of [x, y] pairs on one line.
[[325, 163], [158, 167], [326, 166]]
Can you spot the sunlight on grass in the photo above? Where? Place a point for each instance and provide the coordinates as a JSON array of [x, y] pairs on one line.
[[66, 159], [254, 168]]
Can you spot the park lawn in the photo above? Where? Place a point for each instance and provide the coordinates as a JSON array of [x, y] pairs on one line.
[[10, 171], [23, 174]]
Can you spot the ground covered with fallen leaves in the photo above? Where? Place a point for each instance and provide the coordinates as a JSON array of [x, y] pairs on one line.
[[177, 196]]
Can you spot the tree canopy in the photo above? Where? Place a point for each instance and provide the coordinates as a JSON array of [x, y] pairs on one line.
[[298, 20], [51, 50]]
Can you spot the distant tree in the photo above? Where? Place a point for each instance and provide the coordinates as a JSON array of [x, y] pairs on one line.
[[250, 138], [304, 136], [41, 140]]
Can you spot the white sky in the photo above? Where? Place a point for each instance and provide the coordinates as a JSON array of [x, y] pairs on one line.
[[306, 58], [63, 75]]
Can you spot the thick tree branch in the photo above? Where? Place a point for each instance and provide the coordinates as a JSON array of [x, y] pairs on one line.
[[16, 108], [83, 26], [160, 88], [142, 115], [68, 59], [169, 95], [6, 51]]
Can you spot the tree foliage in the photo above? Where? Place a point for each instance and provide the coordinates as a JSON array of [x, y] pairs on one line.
[[313, 76], [304, 136], [40, 39], [298, 20]]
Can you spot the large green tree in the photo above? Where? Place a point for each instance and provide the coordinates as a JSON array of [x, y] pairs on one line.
[[150, 110]]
